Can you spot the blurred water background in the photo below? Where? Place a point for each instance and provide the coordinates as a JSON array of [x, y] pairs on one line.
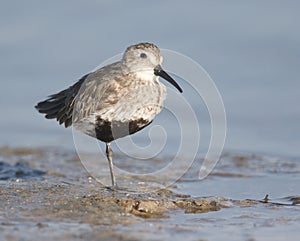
[[250, 49]]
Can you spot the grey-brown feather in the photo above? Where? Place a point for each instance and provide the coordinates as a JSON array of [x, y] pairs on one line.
[[60, 105], [113, 95]]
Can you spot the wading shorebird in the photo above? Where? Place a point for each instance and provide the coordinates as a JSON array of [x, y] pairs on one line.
[[114, 101]]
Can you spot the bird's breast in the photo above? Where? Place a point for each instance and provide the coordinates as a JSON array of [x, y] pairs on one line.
[[143, 99], [134, 106]]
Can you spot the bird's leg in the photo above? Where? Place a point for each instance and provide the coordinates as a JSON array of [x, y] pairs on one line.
[[110, 163]]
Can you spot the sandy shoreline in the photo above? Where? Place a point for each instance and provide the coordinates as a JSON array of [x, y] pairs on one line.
[[42, 189]]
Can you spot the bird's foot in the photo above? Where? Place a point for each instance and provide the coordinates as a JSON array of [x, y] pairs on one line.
[[114, 187]]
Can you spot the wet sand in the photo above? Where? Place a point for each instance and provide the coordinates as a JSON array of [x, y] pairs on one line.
[[47, 194]]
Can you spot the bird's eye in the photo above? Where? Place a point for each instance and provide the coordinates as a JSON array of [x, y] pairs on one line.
[[143, 55]]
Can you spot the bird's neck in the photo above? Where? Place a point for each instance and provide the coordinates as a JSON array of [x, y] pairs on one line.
[[146, 75]]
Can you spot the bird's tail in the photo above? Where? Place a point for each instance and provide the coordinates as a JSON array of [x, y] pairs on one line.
[[60, 105]]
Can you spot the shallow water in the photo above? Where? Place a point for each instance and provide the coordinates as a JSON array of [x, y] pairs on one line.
[[251, 50], [59, 199]]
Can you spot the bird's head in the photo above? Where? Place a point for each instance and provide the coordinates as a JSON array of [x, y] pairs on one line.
[[145, 59]]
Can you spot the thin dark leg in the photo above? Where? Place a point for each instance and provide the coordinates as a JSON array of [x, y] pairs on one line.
[[110, 163]]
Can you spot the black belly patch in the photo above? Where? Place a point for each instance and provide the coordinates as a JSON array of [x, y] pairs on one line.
[[108, 131]]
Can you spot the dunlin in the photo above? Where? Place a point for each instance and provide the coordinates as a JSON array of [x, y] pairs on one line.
[[114, 101]]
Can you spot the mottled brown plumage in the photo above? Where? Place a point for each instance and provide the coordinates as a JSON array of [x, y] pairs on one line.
[[114, 101]]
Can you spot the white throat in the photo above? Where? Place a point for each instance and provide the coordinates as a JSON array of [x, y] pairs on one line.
[[147, 75]]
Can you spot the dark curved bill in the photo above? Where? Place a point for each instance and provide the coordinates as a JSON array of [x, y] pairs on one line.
[[160, 72]]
